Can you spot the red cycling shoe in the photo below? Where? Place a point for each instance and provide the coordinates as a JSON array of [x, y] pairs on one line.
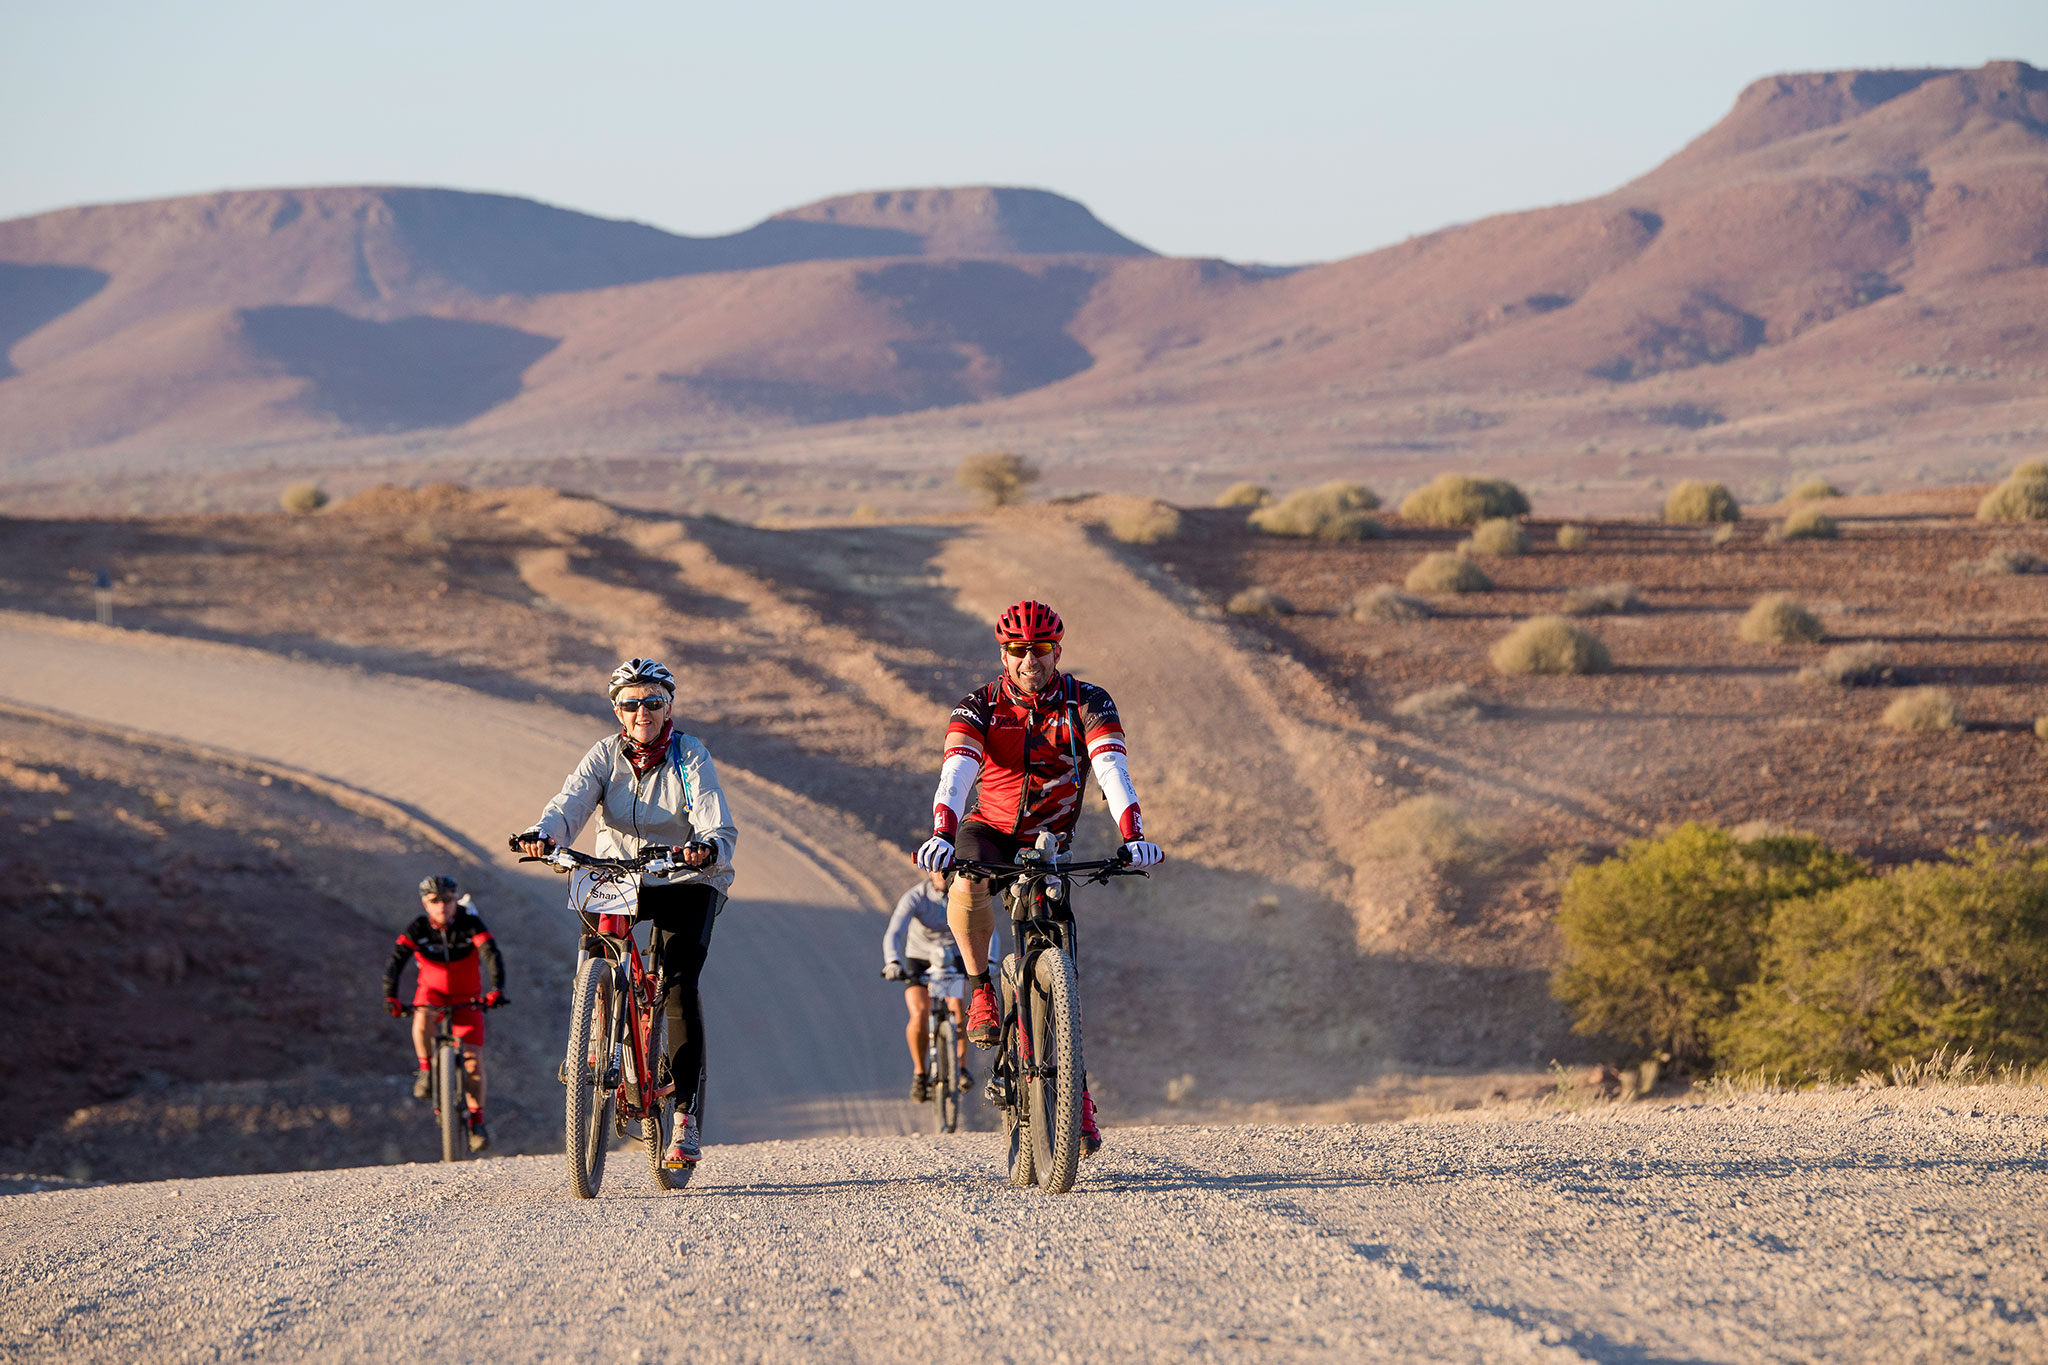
[[984, 1020], [1091, 1136]]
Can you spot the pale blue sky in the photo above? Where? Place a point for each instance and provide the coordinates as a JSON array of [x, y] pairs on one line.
[[1289, 131]]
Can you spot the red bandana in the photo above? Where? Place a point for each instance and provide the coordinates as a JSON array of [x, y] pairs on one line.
[[645, 758]]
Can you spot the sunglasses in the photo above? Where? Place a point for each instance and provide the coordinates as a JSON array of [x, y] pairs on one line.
[[632, 704], [439, 900], [1017, 649]]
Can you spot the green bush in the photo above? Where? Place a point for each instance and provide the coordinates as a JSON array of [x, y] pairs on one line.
[[1331, 511], [1244, 495], [1887, 970], [1433, 828], [1463, 500], [303, 499], [1550, 644], [1570, 537], [997, 477], [1815, 487], [1776, 619], [1497, 536], [1696, 503], [2022, 497], [1660, 939], [1808, 523], [1443, 571]]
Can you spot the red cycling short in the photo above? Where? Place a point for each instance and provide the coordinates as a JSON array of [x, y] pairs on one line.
[[469, 1023]]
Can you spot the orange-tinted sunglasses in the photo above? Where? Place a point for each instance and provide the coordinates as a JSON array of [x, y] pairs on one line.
[[1017, 649]]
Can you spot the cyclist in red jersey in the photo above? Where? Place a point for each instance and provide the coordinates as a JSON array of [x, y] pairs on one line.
[[1026, 736], [449, 944]]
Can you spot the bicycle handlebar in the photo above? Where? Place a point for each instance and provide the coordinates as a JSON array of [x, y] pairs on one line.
[[660, 860], [1100, 870], [454, 1005]]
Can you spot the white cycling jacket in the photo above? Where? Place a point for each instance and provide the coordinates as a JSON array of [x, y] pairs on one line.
[[673, 804]]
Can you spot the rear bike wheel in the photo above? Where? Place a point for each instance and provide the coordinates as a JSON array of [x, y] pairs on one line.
[[657, 1122], [587, 1112], [1016, 1114], [1055, 1017], [945, 1074], [448, 1105]]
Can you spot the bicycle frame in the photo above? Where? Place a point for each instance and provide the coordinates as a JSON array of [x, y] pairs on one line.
[[637, 993]]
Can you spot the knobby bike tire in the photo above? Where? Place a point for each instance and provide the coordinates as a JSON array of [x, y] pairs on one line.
[[1017, 1117], [1055, 999], [946, 1073], [448, 1105], [657, 1124], [585, 1110]]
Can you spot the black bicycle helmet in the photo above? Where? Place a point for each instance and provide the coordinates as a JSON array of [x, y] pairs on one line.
[[439, 887]]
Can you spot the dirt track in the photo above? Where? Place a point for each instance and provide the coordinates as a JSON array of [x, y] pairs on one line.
[[1894, 1226]]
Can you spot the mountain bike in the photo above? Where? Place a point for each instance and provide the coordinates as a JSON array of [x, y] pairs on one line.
[[941, 1043], [617, 1065], [444, 1075], [1038, 1074]]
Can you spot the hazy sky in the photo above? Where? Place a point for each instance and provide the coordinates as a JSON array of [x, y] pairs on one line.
[[1285, 131]]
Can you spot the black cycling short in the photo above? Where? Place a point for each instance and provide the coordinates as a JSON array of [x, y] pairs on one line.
[[987, 844], [916, 969]]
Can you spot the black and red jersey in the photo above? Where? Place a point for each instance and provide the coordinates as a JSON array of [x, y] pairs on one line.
[[448, 959], [1033, 750]]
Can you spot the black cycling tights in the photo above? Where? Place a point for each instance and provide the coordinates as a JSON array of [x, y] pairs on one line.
[[683, 918]]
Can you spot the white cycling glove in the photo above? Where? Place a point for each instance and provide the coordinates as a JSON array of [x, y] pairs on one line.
[[936, 855], [1143, 853]]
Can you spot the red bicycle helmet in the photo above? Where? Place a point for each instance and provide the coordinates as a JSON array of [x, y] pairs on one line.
[[1028, 621]]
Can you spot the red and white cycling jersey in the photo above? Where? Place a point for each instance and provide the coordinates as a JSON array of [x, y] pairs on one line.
[[1033, 753]]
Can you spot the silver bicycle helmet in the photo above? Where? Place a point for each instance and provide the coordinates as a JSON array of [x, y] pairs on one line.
[[442, 888], [641, 673]]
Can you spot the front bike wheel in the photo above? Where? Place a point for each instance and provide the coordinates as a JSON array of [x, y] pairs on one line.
[[945, 1074], [658, 1117], [1016, 1114], [587, 1112], [448, 1105], [1055, 1014]]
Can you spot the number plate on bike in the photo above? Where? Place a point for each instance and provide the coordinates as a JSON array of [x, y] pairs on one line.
[[603, 897], [949, 987]]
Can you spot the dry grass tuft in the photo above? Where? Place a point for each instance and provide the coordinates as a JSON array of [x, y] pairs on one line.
[[1444, 571], [1550, 644], [1808, 523], [1463, 500], [1698, 503], [2041, 727], [1452, 701], [303, 499], [1605, 599], [1723, 533], [1385, 602], [1570, 537], [997, 477], [1815, 487], [1139, 521], [1923, 709], [1496, 536], [1259, 602], [1331, 511], [1858, 665], [1777, 619], [1244, 495], [2002, 559], [2022, 497], [1434, 829]]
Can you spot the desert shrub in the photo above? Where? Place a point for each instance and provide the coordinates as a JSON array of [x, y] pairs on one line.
[[1244, 495], [303, 499], [1604, 599], [1452, 701], [1660, 938], [997, 477], [1887, 970], [1858, 665], [1443, 571], [1696, 503], [1463, 500], [1497, 536], [2022, 497], [1815, 487], [1723, 534], [2041, 727], [2000, 560], [1385, 602], [1331, 511], [1258, 601], [1923, 709], [1433, 828], [1808, 523], [1550, 644], [1139, 521], [1570, 537], [1776, 619]]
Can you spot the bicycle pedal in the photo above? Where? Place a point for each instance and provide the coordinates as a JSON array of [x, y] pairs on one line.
[[998, 1092], [611, 1079]]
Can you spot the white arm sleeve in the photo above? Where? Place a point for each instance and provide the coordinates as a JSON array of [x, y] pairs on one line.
[[1113, 775], [956, 779]]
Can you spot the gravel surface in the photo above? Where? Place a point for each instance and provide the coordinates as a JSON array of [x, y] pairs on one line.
[[1890, 1225]]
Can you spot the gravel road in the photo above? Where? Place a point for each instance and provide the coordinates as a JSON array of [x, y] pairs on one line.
[[1892, 1226]]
